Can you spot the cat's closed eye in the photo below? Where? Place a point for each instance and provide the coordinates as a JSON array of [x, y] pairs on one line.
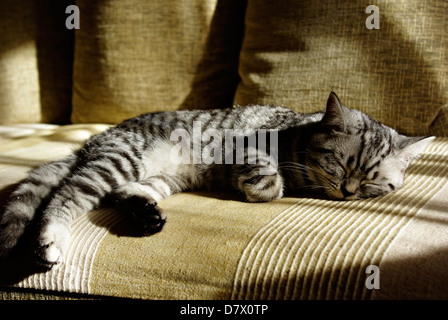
[[350, 161]]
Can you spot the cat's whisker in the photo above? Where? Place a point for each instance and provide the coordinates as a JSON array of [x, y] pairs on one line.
[[294, 165], [315, 187], [295, 169]]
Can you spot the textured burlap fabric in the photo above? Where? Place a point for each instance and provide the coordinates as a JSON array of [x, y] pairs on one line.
[[135, 56], [36, 51], [132, 57], [295, 52]]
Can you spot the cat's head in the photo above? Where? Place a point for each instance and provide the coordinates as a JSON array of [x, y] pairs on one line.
[[353, 156]]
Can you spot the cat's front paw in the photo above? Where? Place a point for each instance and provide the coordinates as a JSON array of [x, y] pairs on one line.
[[261, 188], [52, 245], [148, 216]]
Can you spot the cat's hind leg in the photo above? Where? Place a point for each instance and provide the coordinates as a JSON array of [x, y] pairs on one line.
[[27, 198], [79, 193], [139, 201]]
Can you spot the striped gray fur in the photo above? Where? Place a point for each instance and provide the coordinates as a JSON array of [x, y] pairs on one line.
[[341, 154]]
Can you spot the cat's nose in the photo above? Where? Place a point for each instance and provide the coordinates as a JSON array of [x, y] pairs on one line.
[[350, 187], [346, 193]]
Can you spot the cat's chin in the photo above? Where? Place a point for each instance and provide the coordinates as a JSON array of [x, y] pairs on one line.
[[335, 195], [352, 198], [338, 195]]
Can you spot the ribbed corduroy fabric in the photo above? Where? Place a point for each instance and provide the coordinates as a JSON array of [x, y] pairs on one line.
[[320, 249]]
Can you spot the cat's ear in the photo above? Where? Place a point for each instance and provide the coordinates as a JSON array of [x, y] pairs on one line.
[[411, 147], [334, 115]]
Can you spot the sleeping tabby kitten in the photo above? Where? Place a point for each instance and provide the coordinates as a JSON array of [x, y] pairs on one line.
[[341, 153]]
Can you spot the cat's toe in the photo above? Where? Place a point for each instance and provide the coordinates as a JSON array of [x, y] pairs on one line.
[[154, 220], [49, 255], [51, 246], [148, 216]]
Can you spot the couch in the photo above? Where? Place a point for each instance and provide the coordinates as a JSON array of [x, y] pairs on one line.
[[58, 86]]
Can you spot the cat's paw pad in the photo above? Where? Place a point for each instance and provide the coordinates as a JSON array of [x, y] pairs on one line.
[[148, 216], [52, 245]]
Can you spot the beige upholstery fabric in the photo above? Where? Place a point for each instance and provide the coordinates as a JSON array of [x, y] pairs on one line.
[[36, 53], [132, 57], [216, 247], [419, 250], [296, 52], [135, 56]]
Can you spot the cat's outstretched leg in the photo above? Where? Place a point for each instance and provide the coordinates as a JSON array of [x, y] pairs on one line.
[[83, 191], [26, 199], [80, 193], [139, 200]]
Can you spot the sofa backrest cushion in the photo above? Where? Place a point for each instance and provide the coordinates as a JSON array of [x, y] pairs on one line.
[[131, 57], [36, 56], [295, 52], [134, 57]]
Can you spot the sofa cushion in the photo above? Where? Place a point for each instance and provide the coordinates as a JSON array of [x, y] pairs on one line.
[[133, 57], [36, 57], [295, 52], [216, 247]]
